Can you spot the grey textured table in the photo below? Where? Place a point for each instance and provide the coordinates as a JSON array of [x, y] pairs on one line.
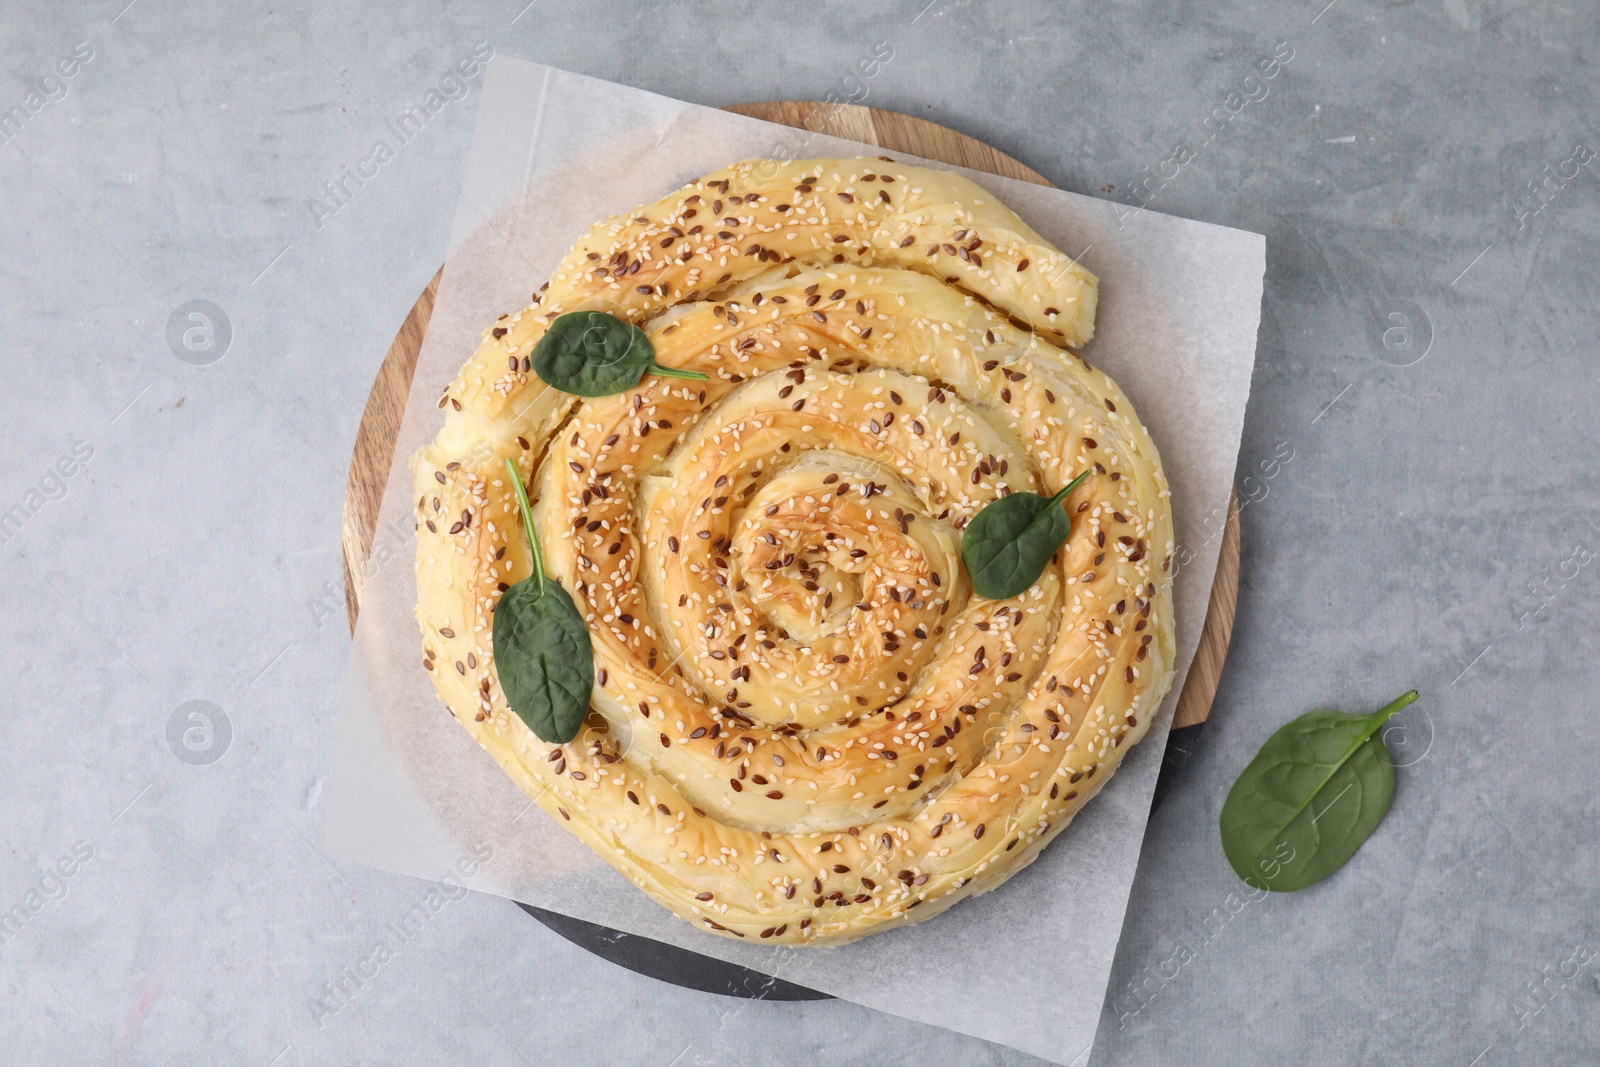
[[1418, 465]]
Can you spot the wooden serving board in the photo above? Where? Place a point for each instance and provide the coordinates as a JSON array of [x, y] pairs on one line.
[[380, 424], [374, 451]]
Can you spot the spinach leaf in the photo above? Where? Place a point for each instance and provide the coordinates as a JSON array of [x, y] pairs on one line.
[[1007, 545], [589, 353], [542, 651], [1313, 794]]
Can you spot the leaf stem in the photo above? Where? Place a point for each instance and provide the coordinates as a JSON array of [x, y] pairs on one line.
[[527, 524], [1059, 497], [677, 372], [1385, 713]]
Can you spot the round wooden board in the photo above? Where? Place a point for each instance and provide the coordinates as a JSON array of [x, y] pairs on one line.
[[890, 130]]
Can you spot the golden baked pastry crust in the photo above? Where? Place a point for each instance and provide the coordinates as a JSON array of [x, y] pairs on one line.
[[805, 726]]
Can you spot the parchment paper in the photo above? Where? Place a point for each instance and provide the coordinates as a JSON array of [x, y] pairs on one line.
[[1026, 965]]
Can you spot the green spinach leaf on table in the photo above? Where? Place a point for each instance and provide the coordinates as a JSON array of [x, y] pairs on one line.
[[1310, 798]]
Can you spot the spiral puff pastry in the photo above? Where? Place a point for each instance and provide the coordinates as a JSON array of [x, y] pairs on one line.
[[805, 726]]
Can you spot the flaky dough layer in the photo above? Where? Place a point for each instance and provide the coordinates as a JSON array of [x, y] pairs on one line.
[[805, 726]]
